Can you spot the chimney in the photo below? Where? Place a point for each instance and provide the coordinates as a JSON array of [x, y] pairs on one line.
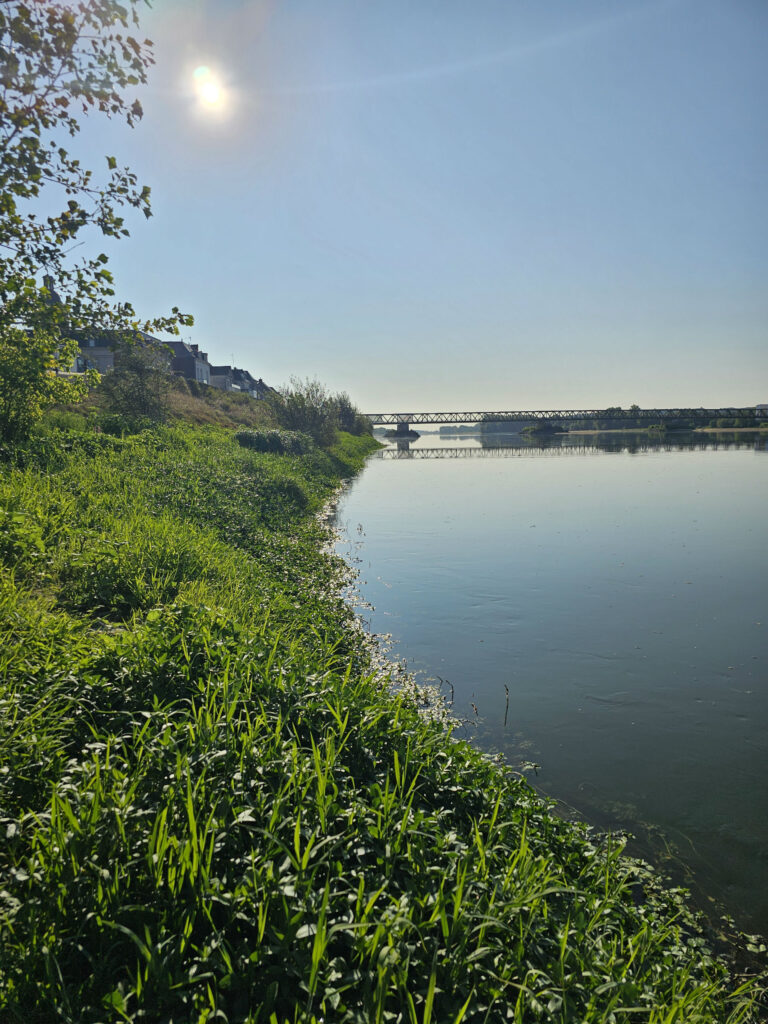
[[53, 296]]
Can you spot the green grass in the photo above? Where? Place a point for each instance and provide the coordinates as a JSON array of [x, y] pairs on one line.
[[212, 808]]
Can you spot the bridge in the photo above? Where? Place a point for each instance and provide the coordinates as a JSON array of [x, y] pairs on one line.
[[403, 421]]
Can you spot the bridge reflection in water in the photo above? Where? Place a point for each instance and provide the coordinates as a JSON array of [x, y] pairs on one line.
[[405, 451]]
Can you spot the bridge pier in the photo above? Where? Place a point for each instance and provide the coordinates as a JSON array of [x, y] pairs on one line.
[[403, 428]]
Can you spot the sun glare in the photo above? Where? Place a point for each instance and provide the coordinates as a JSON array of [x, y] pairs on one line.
[[208, 89]]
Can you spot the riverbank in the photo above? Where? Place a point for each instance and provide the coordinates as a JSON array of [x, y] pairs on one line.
[[214, 805], [655, 432]]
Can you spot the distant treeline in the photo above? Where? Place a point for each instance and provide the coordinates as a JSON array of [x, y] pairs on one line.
[[610, 420]]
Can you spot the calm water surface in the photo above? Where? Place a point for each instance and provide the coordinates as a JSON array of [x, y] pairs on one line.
[[621, 598]]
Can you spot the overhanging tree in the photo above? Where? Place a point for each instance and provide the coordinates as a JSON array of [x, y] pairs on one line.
[[60, 62]]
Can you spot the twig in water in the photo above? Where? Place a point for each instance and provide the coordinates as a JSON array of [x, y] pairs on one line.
[[446, 682]]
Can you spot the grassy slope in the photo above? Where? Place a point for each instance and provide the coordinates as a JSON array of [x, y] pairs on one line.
[[208, 407], [213, 809]]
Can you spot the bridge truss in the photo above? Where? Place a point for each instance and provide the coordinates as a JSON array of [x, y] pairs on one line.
[[397, 419]]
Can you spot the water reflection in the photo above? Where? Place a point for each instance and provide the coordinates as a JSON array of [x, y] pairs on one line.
[[487, 448], [596, 605]]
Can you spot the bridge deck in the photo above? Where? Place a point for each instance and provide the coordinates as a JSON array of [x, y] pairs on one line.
[[654, 415]]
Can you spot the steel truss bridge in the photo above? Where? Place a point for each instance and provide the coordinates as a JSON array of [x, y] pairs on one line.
[[403, 421]]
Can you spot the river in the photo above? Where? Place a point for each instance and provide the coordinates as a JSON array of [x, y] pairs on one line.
[[599, 610]]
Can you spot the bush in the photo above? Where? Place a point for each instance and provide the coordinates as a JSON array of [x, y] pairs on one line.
[[279, 442], [307, 406], [118, 425], [349, 416], [139, 386], [63, 419], [362, 425], [34, 376]]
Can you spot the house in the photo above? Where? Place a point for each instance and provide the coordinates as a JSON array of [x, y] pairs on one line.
[[222, 377], [244, 380], [97, 348], [96, 353], [189, 362], [231, 378]]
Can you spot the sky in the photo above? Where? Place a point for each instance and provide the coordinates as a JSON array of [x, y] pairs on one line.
[[454, 205]]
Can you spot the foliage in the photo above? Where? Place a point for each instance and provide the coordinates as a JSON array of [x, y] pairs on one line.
[[350, 419], [345, 412], [34, 376], [307, 406], [59, 61], [349, 452], [279, 442], [208, 405], [542, 427], [735, 421], [232, 410], [64, 419], [215, 809], [138, 389]]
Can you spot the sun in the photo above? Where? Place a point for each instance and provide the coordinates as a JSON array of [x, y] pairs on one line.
[[209, 91]]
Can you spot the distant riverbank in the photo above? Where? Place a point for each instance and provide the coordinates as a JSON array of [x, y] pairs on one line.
[[657, 432]]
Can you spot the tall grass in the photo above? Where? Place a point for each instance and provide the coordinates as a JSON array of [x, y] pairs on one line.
[[213, 809]]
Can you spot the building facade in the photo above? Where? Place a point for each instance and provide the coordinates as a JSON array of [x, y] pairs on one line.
[[95, 354], [189, 362]]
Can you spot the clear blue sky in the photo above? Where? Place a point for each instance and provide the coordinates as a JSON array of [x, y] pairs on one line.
[[461, 205]]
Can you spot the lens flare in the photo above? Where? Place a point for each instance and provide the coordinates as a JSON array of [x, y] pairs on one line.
[[208, 89]]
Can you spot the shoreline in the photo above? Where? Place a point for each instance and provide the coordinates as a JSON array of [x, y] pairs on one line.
[[666, 433]]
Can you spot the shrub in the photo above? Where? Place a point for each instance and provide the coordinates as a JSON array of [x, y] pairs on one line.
[[33, 377], [118, 425], [308, 406], [362, 425], [279, 442], [63, 419], [139, 386]]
